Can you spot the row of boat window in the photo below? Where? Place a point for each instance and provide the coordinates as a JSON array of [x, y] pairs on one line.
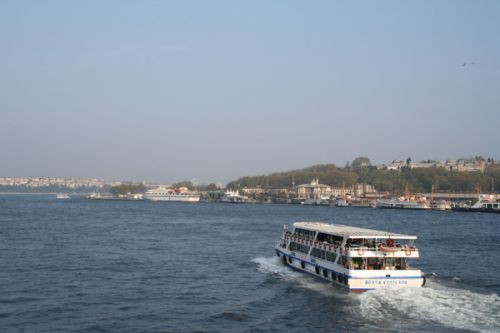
[[322, 254], [299, 247], [305, 233], [380, 263]]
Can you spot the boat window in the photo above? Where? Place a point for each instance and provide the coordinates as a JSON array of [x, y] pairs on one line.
[[357, 263], [357, 242], [299, 247], [306, 233], [332, 239], [375, 263], [386, 263], [345, 262]]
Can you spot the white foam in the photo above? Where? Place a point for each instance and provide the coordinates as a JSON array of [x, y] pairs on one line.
[[457, 308], [274, 266]]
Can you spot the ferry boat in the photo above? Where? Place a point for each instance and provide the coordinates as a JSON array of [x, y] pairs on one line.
[[234, 197], [363, 203], [486, 203], [356, 258], [316, 202], [62, 196], [341, 202], [167, 194], [402, 204]]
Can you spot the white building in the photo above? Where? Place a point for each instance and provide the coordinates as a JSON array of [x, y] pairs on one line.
[[313, 190]]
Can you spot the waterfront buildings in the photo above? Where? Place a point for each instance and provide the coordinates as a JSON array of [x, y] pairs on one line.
[[313, 190], [69, 182], [462, 164]]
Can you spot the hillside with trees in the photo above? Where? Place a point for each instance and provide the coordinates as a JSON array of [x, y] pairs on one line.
[[361, 171]]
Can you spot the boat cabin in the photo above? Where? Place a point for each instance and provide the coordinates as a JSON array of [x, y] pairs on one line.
[[351, 247]]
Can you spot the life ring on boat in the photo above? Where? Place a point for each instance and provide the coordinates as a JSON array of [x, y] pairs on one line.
[[361, 252], [385, 248], [407, 251]]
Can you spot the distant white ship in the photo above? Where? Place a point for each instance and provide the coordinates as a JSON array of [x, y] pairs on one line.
[[316, 202], [167, 194], [234, 197], [100, 196], [402, 204], [487, 203], [62, 196]]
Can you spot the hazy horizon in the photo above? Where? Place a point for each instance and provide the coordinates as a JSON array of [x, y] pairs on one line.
[[170, 91]]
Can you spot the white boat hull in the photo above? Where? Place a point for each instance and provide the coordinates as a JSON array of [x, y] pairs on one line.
[[177, 198], [354, 280]]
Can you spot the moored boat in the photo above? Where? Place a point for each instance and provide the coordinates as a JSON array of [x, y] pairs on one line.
[[168, 194], [234, 197], [487, 203], [356, 258], [402, 204]]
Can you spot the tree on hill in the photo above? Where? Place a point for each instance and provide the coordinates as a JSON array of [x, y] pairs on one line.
[[360, 162], [128, 188]]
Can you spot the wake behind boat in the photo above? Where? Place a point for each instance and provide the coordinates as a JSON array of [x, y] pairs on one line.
[[356, 258]]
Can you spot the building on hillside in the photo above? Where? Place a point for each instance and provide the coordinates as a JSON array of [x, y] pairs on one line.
[[464, 165], [361, 190], [313, 190], [341, 192], [253, 190]]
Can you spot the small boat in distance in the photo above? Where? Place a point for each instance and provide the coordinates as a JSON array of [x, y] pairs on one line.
[[355, 258], [62, 196]]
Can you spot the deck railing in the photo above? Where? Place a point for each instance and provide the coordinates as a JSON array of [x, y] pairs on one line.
[[360, 250]]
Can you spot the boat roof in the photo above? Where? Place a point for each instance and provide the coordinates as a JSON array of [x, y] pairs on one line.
[[348, 231]]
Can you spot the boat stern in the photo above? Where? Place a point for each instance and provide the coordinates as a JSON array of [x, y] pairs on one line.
[[414, 279]]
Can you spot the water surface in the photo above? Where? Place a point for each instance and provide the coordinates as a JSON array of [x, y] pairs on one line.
[[123, 266]]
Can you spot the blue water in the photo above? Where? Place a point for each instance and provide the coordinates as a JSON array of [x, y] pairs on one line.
[[123, 266]]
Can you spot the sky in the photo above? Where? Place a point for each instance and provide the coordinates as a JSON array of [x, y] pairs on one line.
[[166, 91]]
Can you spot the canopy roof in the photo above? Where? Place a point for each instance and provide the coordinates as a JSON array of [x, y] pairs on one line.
[[348, 231]]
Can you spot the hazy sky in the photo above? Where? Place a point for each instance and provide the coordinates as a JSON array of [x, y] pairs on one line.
[[214, 90]]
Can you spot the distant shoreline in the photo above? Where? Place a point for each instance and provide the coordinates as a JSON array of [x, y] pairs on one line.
[[42, 193]]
